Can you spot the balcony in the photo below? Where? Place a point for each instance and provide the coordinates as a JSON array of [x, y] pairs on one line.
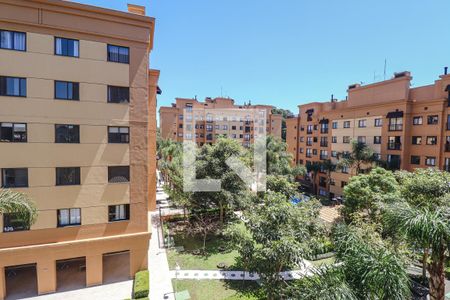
[[394, 146], [308, 143], [323, 144], [395, 127], [323, 130], [323, 157], [447, 168], [309, 131], [447, 147]]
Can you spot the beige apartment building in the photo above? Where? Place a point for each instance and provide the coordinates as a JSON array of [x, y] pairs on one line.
[[77, 134], [235, 122], [406, 127]]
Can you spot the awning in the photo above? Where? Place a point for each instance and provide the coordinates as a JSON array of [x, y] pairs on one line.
[[310, 111], [158, 90], [394, 114], [447, 89], [324, 121]]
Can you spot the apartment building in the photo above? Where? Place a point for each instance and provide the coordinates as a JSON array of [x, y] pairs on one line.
[[77, 134], [406, 127], [209, 124]]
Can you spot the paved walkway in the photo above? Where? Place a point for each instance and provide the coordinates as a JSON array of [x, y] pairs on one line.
[[160, 278], [115, 291]]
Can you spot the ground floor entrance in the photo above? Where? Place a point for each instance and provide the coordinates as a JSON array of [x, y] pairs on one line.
[[21, 281], [70, 274], [116, 267]]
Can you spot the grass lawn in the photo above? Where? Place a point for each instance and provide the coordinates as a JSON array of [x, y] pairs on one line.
[[325, 261], [189, 261], [217, 289]]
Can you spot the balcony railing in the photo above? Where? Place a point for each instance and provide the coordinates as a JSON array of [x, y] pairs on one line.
[[323, 157], [309, 131], [323, 130], [447, 168], [323, 144], [394, 146], [395, 127]]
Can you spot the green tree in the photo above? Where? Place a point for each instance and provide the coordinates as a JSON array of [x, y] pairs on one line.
[[313, 168], [12, 202], [281, 184], [328, 166], [423, 218], [361, 157], [365, 193], [276, 238]]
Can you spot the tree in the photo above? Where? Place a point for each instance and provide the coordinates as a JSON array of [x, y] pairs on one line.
[[276, 238], [279, 160], [281, 184], [328, 166], [203, 223], [365, 193], [17, 203], [313, 169], [360, 158], [423, 218]]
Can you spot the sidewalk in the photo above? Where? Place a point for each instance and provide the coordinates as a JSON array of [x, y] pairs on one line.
[[160, 278]]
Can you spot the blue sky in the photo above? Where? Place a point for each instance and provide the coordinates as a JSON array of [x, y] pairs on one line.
[[289, 52]]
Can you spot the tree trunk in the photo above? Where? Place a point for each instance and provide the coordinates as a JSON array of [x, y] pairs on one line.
[[221, 215], [437, 275], [204, 242]]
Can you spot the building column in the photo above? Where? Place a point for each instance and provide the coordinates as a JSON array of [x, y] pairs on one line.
[[94, 270], [138, 261], [46, 276], [2, 283]]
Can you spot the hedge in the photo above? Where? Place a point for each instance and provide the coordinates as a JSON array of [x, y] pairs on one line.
[[141, 285]]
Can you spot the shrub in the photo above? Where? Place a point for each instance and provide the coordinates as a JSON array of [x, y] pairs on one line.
[[141, 285], [447, 272]]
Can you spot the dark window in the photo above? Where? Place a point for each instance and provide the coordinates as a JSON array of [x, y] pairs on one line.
[[67, 90], [343, 184], [67, 133], [378, 122], [119, 174], [14, 222], [416, 140], [119, 135], [394, 143], [431, 140], [432, 120], [118, 94], [417, 120], [69, 217], [12, 178], [396, 124], [415, 160], [119, 212], [67, 47], [13, 86], [119, 54], [13, 40], [377, 139], [68, 176], [13, 132], [346, 124]]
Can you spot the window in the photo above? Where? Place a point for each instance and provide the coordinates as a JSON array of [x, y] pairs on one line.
[[69, 217], [68, 176], [322, 181], [217, 127], [209, 127], [119, 174], [13, 132], [118, 212], [118, 94], [67, 90], [323, 141], [119, 54], [343, 184], [13, 40], [417, 120], [334, 125], [346, 139], [416, 140], [309, 129], [314, 151], [233, 127], [180, 117], [67, 133], [432, 120], [14, 222], [377, 139], [333, 153], [362, 123], [346, 124], [430, 161], [13, 86], [309, 141], [209, 137], [14, 178], [224, 127], [300, 150], [362, 139], [394, 162], [119, 135], [431, 140], [396, 124], [378, 122], [415, 160], [344, 169], [394, 143], [308, 152], [334, 139], [180, 126], [323, 154], [67, 47]]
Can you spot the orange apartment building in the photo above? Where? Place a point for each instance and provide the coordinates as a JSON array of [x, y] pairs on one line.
[[208, 126], [78, 135], [406, 127]]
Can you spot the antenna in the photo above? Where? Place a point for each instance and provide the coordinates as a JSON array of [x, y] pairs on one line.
[[385, 63]]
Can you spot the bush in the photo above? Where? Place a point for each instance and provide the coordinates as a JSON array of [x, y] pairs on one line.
[[141, 285], [447, 272]]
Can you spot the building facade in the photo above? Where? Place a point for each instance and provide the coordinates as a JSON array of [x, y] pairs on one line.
[[209, 125], [77, 134], [406, 127]]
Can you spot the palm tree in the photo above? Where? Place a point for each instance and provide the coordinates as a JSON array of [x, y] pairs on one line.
[[360, 156], [313, 168], [429, 228], [12, 202], [328, 166]]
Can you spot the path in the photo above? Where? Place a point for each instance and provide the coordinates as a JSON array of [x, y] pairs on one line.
[[160, 278]]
